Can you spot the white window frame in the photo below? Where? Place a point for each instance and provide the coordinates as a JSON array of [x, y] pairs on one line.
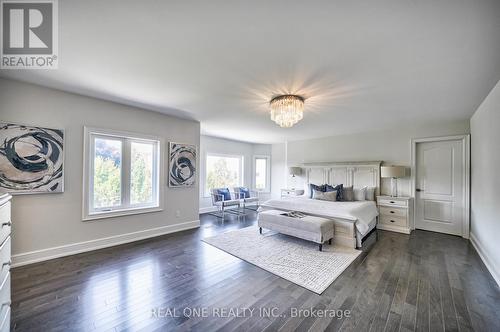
[[267, 189], [206, 194], [126, 208]]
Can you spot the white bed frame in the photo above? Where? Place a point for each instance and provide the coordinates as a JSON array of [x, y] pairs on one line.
[[357, 174]]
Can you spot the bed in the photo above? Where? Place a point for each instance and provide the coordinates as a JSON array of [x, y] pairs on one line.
[[353, 220]]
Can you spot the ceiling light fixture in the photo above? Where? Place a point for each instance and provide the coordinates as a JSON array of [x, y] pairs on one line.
[[287, 110]]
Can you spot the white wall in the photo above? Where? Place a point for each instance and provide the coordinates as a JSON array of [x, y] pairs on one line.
[[210, 144], [45, 221], [279, 171], [485, 181], [390, 146]]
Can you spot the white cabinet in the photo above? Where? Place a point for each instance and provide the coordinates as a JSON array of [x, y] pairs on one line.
[[5, 261], [395, 213]]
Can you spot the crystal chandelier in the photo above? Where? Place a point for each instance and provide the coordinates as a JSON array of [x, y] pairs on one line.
[[287, 110]]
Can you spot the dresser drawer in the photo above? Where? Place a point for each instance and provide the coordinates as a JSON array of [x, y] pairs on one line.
[[5, 258], [5, 319], [392, 220], [392, 211], [4, 221], [5, 291], [394, 202]]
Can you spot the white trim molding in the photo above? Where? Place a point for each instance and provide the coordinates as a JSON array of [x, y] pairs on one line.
[[267, 189], [466, 180], [490, 265], [85, 246], [207, 209]]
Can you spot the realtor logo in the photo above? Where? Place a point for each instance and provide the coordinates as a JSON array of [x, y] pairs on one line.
[[29, 34]]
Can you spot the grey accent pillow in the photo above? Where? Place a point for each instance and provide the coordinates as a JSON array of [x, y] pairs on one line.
[[325, 196], [370, 194], [348, 194], [359, 194]]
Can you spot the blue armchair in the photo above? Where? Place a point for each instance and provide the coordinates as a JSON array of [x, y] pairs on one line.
[[247, 197], [222, 198]]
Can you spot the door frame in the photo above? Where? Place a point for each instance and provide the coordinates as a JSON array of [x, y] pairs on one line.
[[466, 180]]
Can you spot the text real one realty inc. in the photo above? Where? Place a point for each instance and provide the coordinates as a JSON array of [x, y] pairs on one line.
[[247, 312]]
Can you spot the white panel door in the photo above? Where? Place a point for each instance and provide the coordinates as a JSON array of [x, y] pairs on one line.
[[440, 187]]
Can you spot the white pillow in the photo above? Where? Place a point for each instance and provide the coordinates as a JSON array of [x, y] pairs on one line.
[[359, 194], [325, 196], [370, 193]]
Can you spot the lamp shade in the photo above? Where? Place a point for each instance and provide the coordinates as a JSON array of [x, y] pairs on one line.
[[295, 171], [392, 171]]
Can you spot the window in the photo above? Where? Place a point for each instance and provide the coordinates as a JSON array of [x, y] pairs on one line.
[[122, 174], [262, 173], [223, 171]]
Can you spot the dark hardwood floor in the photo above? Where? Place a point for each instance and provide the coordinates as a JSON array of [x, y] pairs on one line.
[[422, 282]]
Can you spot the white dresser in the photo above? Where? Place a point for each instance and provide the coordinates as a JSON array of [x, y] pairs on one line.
[[395, 213], [5, 262]]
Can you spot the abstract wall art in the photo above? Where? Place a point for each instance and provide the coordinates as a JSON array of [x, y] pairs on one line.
[[182, 165], [31, 159]]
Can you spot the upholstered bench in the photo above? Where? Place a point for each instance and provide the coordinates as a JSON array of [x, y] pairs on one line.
[[315, 229]]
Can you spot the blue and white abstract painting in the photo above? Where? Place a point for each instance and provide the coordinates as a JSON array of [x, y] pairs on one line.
[[182, 166], [31, 159]]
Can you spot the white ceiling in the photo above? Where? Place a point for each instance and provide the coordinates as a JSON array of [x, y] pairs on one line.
[[361, 64]]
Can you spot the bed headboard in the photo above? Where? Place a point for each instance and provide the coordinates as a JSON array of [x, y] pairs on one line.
[[357, 174]]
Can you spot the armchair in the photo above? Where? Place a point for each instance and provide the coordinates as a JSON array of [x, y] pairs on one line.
[[222, 199], [247, 196]]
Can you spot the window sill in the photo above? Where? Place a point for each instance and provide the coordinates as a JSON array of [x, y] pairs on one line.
[[120, 213]]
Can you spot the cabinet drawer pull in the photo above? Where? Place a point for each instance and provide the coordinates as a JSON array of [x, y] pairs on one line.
[[392, 211], [6, 224], [392, 221], [392, 202]]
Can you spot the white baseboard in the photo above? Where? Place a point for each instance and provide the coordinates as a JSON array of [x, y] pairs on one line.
[[208, 209], [76, 248], [490, 264]]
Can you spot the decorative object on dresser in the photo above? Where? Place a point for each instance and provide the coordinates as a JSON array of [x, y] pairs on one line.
[[31, 159], [395, 213], [393, 172], [291, 192], [5, 262], [182, 166]]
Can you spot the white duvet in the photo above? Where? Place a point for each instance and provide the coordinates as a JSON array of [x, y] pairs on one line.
[[360, 212]]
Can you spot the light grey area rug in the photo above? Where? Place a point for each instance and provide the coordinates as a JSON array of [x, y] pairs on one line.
[[290, 258]]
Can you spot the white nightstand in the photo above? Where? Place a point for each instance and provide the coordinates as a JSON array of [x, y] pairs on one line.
[[291, 192], [395, 213]]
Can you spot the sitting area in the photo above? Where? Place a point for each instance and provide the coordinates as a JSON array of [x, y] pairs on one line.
[[223, 199], [248, 197], [306, 227]]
